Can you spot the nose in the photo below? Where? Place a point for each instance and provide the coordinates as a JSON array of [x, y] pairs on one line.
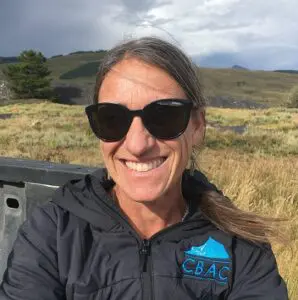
[[138, 140]]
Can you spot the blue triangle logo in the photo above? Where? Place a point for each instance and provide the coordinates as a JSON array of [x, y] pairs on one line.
[[211, 249]]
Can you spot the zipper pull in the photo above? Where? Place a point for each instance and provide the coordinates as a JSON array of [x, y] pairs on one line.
[[144, 253]]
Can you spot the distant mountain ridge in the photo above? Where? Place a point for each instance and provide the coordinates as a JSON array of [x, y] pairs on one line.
[[237, 67], [287, 71], [13, 59], [79, 52], [10, 59]]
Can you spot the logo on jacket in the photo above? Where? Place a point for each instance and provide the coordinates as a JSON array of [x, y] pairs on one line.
[[209, 261]]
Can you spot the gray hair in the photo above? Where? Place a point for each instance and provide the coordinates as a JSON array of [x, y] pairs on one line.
[[160, 53]]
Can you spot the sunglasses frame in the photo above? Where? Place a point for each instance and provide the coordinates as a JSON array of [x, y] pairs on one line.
[[186, 103]]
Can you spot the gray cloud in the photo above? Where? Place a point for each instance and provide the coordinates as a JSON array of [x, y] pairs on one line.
[[253, 59], [154, 21], [144, 5], [135, 12], [215, 26], [63, 26], [256, 34]]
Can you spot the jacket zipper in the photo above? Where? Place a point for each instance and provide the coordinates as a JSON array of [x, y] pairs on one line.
[[144, 254], [145, 266]]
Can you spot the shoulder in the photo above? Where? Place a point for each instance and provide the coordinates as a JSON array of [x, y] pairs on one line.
[[241, 244], [43, 221], [255, 272], [248, 254], [48, 212]]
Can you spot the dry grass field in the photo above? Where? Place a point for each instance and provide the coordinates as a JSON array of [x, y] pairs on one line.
[[257, 168], [265, 87]]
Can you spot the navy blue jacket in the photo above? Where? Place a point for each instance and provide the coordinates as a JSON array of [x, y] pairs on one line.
[[80, 246]]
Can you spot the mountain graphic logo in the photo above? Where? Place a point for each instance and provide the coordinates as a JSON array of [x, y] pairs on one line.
[[211, 249], [209, 261]]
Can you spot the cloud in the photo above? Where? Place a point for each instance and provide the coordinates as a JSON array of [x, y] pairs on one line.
[[261, 34]]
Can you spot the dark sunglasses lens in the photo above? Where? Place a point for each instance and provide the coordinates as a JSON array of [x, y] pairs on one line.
[[167, 119], [109, 122]]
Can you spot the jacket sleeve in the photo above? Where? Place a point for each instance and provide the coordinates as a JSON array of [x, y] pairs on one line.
[[32, 272], [256, 275]]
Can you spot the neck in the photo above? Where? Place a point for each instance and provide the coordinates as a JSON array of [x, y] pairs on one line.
[[150, 217]]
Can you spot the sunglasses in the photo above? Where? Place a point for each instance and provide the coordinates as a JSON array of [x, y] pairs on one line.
[[164, 119]]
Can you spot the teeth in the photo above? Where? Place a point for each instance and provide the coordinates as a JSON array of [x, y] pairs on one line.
[[144, 167]]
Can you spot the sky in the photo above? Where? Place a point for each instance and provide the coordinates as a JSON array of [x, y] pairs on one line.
[[215, 33]]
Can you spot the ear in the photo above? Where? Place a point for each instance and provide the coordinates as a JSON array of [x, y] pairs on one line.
[[199, 127]]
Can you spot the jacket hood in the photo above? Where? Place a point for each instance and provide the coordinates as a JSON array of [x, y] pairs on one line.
[[88, 198]]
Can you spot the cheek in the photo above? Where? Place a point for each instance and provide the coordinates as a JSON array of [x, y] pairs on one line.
[[181, 147], [107, 150]]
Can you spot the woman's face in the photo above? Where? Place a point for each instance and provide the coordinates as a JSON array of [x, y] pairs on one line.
[[143, 167]]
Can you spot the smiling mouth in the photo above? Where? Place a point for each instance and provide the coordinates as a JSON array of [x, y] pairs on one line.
[[144, 166]]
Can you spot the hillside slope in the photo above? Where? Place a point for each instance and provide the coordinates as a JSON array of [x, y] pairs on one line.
[[234, 85]]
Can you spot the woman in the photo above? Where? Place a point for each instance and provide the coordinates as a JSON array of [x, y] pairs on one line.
[[144, 227]]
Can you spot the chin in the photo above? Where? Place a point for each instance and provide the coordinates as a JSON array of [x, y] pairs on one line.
[[144, 195]]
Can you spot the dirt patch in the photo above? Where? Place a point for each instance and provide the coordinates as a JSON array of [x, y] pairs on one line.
[[229, 102], [240, 129]]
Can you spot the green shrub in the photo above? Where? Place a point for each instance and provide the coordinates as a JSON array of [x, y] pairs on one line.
[[29, 78]]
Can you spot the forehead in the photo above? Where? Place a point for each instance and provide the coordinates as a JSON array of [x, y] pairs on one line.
[[135, 83]]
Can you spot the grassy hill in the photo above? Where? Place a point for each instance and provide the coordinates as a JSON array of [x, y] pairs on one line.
[[264, 87], [62, 64]]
